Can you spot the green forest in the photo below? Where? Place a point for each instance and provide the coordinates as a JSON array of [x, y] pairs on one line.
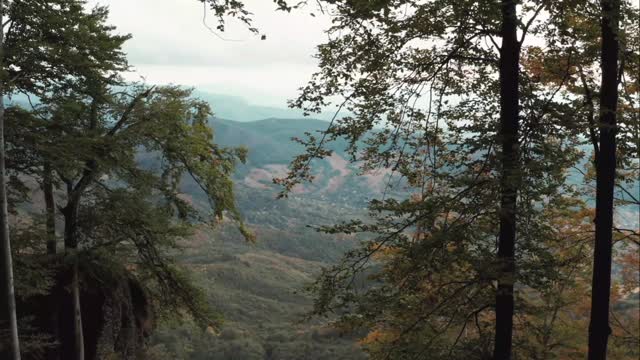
[[455, 179]]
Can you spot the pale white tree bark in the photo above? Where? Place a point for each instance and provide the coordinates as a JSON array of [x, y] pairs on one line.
[[5, 243], [79, 336]]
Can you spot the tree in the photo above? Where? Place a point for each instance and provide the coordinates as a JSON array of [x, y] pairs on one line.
[[132, 211], [604, 54], [65, 25], [87, 124], [382, 60], [508, 133], [8, 296], [32, 34], [599, 328]]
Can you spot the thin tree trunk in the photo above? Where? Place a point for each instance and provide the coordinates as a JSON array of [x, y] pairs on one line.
[[77, 313], [50, 208], [71, 245], [74, 194], [599, 330], [508, 135], [9, 302], [5, 244]]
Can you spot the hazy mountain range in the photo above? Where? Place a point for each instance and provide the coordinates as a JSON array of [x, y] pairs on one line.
[[238, 109]]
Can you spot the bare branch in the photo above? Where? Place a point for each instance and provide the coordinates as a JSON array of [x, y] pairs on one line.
[[125, 115], [530, 22]]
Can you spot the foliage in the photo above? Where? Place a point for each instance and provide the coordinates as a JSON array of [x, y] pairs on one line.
[[128, 208], [85, 132], [223, 9], [37, 31], [420, 82]]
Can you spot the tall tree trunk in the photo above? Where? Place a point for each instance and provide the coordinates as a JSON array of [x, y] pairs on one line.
[[50, 213], [77, 313], [508, 135], [71, 210], [605, 180], [71, 245], [50, 208], [8, 295]]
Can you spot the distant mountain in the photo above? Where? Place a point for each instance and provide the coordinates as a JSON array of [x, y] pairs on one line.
[[337, 181], [268, 140], [238, 109], [224, 106], [271, 150]]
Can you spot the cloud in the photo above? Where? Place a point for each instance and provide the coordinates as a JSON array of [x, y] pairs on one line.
[[171, 45], [270, 84]]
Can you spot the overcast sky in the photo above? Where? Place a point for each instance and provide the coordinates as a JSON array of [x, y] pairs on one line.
[[171, 45]]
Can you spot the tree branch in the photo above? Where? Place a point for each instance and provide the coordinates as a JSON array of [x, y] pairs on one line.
[[125, 115], [589, 100], [525, 29]]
